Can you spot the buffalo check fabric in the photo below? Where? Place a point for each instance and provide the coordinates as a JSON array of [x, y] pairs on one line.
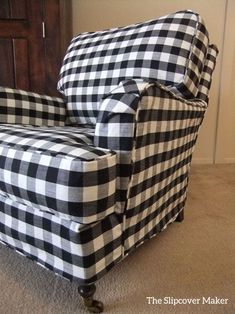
[[115, 128], [206, 77], [163, 128], [153, 168], [57, 170], [86, 180], [171, 50], [166, 131], [80, 253], [22, 107]]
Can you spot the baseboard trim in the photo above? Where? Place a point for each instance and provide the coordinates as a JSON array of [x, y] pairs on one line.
[[207, 161], [210, 161], [225, 161]]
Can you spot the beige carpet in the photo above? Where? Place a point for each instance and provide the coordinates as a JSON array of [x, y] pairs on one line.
[[191, 260]]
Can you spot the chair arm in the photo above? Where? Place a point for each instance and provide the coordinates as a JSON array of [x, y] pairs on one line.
[[115, 125], [22, 107], [148, 126]]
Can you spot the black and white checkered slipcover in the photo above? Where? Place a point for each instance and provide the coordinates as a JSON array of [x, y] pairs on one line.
[[57, 170], [78, 252], [82, 186], [206, 77], [18, 106], [171, 50]]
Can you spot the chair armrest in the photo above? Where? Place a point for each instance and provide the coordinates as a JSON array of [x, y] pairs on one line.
[[115, 125], [150, 128], [22, 107]]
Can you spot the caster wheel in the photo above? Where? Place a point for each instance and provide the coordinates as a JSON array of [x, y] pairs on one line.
[[87, 292], [96, 307]]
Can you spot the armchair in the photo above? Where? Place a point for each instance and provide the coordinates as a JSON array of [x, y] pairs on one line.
[[86, 178]]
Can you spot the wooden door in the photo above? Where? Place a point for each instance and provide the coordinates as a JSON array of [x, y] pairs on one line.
[[32, 43]]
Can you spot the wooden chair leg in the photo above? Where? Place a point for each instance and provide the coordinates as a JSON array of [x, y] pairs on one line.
[[180, 216], [87, 292]]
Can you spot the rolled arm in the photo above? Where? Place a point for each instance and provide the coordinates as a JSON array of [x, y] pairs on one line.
[[115, 125], [123, 107], [151, 129], [22, 107]]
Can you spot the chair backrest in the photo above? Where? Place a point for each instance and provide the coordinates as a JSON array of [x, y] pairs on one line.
[[171, 50]]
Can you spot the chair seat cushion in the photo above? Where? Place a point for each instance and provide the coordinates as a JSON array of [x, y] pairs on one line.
[[57, 170], [171, 50]]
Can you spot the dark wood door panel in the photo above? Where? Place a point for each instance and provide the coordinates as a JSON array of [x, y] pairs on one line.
[[7, 68], [31, 58], [22, 34], [21, 63], [13, 9], [14, 52], [4, 9], [18, 9]]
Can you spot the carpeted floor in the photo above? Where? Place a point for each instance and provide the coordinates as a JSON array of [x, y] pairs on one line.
[[190, 260]]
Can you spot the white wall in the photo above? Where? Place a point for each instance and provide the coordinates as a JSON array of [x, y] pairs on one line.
[[225, 139], [215, 141]]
